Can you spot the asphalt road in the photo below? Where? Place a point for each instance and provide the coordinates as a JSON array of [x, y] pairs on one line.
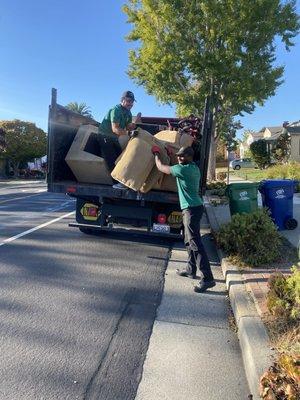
[[76, 311]]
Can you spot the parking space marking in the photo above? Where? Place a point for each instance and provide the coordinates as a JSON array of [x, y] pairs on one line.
[[24, 197], [11, 239]]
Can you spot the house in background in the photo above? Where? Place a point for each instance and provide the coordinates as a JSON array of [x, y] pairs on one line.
[[252, 137], [271, 134], [294, 131]]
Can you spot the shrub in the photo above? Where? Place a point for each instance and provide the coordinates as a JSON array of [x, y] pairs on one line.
[[221, 176], [260, 153], [284, 171], [283, 299], [217, 188], [252, 237], [215, 185], [282, 380]]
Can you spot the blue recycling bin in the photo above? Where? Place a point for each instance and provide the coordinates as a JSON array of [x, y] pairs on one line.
[[277, 196]]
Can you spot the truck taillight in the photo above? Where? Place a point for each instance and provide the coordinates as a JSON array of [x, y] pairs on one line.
[[92, 211], [71, 189], [161, 218]]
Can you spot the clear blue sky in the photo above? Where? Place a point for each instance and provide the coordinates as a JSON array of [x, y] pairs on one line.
[[79, 48]]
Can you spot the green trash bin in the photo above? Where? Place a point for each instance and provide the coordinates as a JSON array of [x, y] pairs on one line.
[[242, 197]]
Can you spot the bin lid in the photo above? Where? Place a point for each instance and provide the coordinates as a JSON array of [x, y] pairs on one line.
[[238, 187], [275, 183], [243, 185]]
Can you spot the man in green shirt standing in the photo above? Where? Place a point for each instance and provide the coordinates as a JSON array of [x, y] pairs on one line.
[[187, 176], [117, 122]]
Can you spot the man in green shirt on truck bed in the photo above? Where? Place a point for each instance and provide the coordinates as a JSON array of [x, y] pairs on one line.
[[187, 176], [116, 123]]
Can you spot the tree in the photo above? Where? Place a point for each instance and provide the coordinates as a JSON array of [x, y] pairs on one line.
[[246, 134], [2, 140], [81, 108], [282, 149], [230, 140], [24, 141], [260, 153], [187, 51]]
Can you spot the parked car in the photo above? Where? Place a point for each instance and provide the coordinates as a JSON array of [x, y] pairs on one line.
[[242, 163]]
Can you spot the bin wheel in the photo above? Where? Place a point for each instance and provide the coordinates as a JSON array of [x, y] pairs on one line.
[[291, 224]]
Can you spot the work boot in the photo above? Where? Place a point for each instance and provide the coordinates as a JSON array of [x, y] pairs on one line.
[[185, 273], [203, 286]]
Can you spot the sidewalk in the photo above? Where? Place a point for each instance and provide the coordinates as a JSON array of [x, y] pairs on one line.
[[193, 352]]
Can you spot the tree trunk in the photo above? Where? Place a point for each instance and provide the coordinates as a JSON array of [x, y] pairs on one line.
[[211, 172]]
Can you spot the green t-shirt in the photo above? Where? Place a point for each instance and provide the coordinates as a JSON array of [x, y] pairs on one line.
[[188, 180], [118, 114]]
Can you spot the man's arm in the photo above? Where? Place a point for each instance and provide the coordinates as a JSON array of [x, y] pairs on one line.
[[115, 126], [131, 126], [161, 167], [137, 120]]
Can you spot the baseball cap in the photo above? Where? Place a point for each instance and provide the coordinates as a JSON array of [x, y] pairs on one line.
[[128, 94], [185, 151]]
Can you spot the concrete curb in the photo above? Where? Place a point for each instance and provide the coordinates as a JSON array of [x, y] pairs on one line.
[[254, 341]]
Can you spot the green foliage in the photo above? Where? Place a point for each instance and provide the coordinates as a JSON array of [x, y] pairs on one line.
[[2, 140], [285, 171], [24, 141], [283, 299], [229, 135], [184, 49], [259, 153], [282, 149], [81, 108], [246, 134], [217, 188], [247, 153], [252, 237], [216, 185], [221, 176]]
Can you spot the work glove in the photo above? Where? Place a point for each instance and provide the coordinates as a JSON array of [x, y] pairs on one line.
[[155, 150], [138, 118]]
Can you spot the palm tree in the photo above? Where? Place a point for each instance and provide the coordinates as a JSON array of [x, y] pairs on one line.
[[81, 108]]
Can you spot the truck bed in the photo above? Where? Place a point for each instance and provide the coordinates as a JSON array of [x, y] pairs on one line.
[[100, 191], [63, 126]]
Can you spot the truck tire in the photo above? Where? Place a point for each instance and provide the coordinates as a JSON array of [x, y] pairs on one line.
[[237, 167], [88, 231]]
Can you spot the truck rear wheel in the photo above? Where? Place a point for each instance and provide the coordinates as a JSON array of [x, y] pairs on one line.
[[88, 231]]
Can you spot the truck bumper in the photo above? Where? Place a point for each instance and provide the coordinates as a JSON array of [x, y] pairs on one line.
[[137, 232]]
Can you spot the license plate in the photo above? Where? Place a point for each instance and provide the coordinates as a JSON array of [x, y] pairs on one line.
[[162, 228]]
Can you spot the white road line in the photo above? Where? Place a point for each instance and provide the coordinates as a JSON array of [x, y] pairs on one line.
[[24, 197], [59, 207], [11, 239]]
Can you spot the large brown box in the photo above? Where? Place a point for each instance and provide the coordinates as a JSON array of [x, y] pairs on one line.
[[87, 167]]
